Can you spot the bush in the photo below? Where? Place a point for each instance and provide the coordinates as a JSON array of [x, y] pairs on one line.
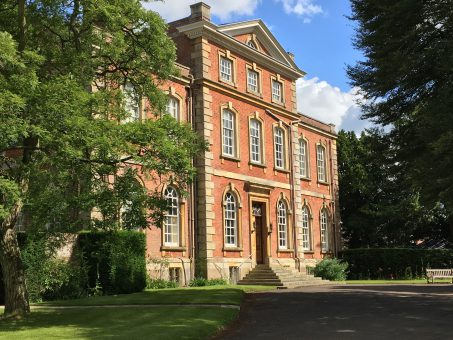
[[161, 284], [201, 282], [116, 260], [331, 269], [394, 263], [51, 278]]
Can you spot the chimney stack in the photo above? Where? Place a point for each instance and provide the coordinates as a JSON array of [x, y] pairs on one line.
[[200, 11]]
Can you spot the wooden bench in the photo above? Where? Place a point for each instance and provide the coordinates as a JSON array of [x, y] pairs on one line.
[[439, 274]]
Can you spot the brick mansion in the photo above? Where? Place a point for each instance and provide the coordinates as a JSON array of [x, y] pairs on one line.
[[266, 191]]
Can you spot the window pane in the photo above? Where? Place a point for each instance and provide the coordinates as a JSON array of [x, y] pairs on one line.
[[282, 225], [321, 163], [306, 237], [255, 140], [276, 91], [303, 158], [230, 220], [225, 69], [131, 103], [173, 107], [171, 220], [228, 133], [252, 81], [324, 231], [279, 148]]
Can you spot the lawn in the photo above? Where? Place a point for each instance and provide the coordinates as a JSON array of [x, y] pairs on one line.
[[188, 322]]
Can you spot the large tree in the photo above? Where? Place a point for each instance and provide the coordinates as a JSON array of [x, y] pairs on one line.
[[407, 79], [68, 146], [379, 206]]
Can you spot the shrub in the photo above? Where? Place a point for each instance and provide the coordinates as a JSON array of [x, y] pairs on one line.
[[51, 278], [161, 284], [331, 269], [201, 282], [116, 260], [394, 263]]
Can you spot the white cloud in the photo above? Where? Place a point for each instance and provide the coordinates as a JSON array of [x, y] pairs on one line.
[[172, 10], [320, 100], [303, 8]]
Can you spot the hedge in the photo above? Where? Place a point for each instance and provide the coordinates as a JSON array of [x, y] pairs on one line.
[[120, 257], [394, 263], [115, 260]]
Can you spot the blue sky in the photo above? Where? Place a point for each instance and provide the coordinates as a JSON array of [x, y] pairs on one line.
[[316, 31]]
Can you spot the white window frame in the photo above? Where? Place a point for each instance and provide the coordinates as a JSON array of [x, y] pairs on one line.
[[303, 158], [173, 107], [321, 163], [324, 230], [253, 81], [226, 69], [171, 230], [306, 229], [279, 148], [256, 141], [282, 224], [229, 147], [277, 91], [230, 220], [131, 103]]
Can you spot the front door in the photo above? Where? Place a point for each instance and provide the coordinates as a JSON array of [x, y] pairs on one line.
[[258, 226]]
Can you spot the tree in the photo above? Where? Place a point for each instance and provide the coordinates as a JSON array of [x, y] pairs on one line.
[[379, 207], [68, 146], [407, 79]]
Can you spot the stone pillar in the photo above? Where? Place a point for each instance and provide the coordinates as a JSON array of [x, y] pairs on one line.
[[204, 126]]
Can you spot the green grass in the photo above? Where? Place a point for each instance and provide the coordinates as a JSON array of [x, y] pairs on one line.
[[415, 281], [119, 323], [188, 322], [195, 295]]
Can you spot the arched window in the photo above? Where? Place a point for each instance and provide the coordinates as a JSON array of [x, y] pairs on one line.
[[131, 103], [229, 133], [324, 222], [251, 44], [279, 146], [255, 141], [321, 163], [303, 158], [230, 220], [306, 234], [282, 222], [171, 221], [172, 107]]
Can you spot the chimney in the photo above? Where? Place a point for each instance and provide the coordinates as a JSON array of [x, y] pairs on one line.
[[200, 11]]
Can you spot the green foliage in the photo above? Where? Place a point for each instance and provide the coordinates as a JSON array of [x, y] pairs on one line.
[[406, 77], [379, 206], [116, 260], [160, 284], [331, 269], [201, 282], [50, 278], [394, 263]]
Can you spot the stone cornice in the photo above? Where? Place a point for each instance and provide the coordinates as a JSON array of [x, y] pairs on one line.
[[256, 101], [208, 30]]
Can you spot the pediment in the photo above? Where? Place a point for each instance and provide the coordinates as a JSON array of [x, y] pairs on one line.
[[257, 32]]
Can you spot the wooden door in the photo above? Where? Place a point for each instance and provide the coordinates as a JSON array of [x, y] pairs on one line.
[[258, 226]]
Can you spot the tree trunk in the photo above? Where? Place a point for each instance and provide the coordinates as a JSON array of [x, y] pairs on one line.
[[16, 296]]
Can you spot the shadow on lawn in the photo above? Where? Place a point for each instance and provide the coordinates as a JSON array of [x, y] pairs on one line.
[[130, 322], [166, 296]]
